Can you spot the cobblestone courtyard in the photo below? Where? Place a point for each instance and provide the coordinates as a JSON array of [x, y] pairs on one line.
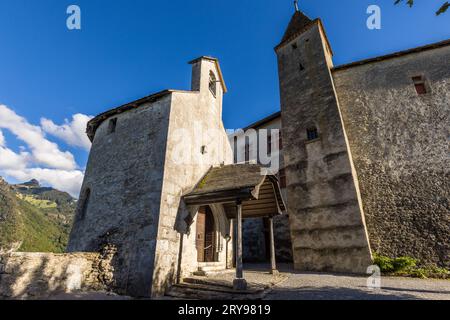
[[315, 286]]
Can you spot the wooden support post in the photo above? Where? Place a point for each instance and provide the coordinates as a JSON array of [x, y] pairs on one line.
[[273, 262], [239, 283]]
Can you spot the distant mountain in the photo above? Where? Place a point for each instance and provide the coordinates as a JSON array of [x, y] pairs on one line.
[[34, 218]]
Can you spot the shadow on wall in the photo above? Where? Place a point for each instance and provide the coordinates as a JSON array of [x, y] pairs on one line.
[[165, 275], [163, 279], [41, 275], [18, 283]]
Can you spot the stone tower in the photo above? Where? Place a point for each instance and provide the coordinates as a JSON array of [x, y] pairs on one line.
[[145, 155], [326, 217]]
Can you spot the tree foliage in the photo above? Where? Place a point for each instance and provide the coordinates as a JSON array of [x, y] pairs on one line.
[[444, 7]]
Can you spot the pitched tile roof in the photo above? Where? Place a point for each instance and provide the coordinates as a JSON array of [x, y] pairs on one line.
[[252, 183], [394, 55], [299, 21], [230, 177]]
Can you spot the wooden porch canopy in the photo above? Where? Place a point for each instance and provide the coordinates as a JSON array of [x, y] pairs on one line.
[[245, 191], [251, 184]]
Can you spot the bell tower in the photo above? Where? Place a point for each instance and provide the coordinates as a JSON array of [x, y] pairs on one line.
[[326, 216], [207, 78]]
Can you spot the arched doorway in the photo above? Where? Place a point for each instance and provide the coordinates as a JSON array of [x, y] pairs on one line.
[[206, 236]]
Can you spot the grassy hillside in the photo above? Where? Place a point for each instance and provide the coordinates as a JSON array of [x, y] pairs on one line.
[[37, 218], [11, 230]]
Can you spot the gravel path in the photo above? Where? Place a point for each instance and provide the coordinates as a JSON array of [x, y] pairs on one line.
[[316, 286]]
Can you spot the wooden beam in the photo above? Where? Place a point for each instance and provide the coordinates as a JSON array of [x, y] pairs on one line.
[[239, 283], [273, 262]]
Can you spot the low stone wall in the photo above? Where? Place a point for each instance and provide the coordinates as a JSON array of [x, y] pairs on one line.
[[41, 275]]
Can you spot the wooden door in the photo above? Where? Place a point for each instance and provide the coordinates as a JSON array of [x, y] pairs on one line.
[[206, 236], [210, 237], [200, 237]]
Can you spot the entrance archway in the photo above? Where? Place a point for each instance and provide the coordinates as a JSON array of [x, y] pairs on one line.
[[244, 191], [206, 237]]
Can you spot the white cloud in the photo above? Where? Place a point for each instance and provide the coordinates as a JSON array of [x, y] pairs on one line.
[[43, 151], [40, 158], [11, 160], [64, 180], [73, 133]]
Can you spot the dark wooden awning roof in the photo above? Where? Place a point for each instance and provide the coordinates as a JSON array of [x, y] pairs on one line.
[[252, 184]]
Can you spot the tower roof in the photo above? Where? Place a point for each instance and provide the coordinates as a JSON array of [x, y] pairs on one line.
[[298, 22]]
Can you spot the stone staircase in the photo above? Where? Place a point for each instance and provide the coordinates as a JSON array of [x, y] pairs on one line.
[[211, 268], [196, 288]]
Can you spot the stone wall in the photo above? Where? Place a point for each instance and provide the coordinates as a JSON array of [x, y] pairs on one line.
[[256, 242], [125, 177], [399, 141], [282, 235], [137, 176], [41, 275], [326, 219], [196, 141], [253, 241]]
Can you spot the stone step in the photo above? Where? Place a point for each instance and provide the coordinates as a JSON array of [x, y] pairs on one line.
[[221, 284], [207, 268], [209, 264], [210, 270], [192, 291], [206, 281]]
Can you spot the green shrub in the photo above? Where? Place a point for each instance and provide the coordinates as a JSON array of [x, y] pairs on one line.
[[385, 263], [419, 273], [404, 264], [407, 266], [436, 272]]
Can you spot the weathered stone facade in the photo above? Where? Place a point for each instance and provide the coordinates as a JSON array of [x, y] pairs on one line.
[[326, 219], [195, 130], [395, 136], [400, 146], [144, 157], [254, 237], [257, 240], [125, 177]]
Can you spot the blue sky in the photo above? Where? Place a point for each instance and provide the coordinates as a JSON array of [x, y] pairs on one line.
[[129, 49]]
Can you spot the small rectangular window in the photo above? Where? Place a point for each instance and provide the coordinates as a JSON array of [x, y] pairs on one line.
[[212, 83], [420, 88], [247, 152], [84, 202], [419, 84], [235, 149], [282, 178], [112, 125], [312, 134], [269, 143]]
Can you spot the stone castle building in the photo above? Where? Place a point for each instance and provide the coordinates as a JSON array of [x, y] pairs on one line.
[[365, 153], [364, 168]]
